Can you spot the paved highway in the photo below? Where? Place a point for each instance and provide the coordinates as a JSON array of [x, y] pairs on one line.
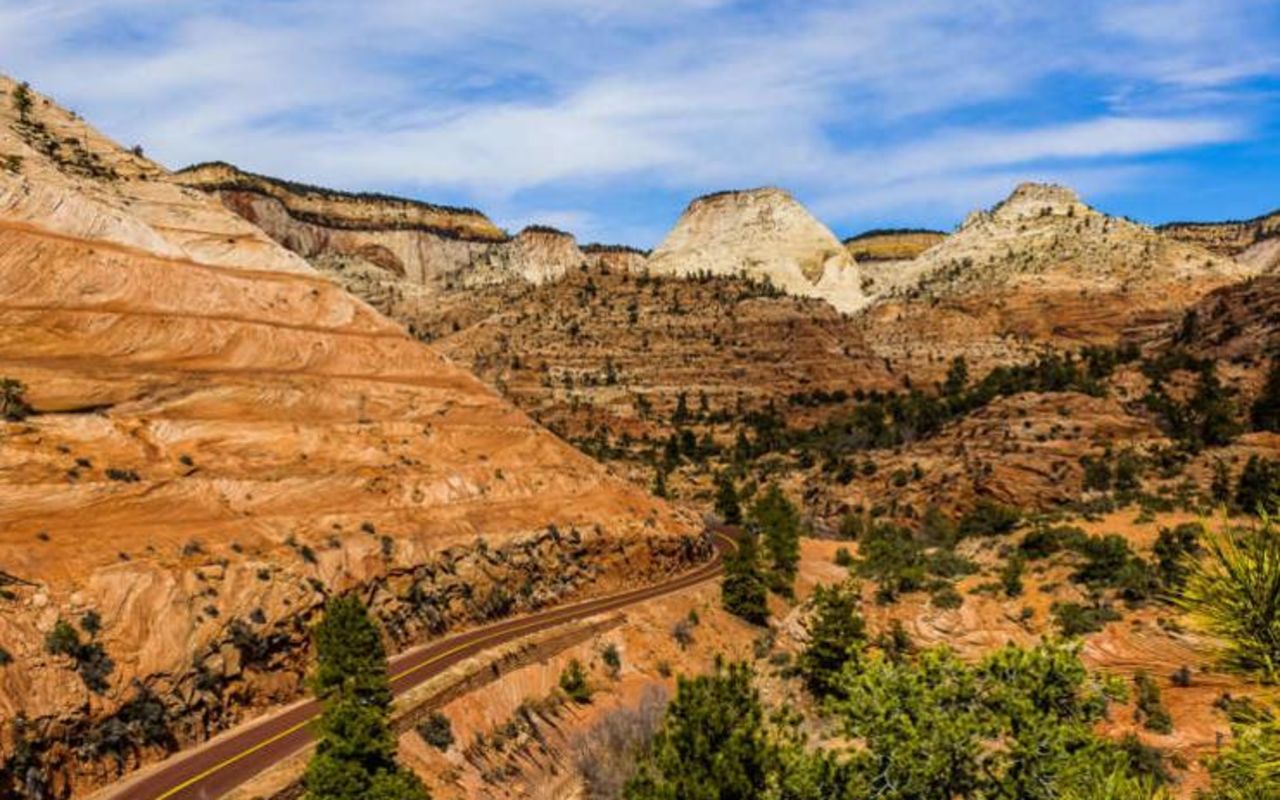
[[211, 770]]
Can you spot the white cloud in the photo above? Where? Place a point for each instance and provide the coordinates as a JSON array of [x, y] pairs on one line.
[[488, 101]]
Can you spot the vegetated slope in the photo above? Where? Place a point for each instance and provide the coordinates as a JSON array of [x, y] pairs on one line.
[[768, 235], [1255, 242], [896, 244], [219, 437], [603, 353], [1039, 268]]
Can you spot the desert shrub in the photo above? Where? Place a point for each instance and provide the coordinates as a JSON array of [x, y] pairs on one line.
[[1076, 619], [1150, 708], [1097, 473], [937, 528], [573, 681], [893, 559], [1011, 575], [989, 518], [946, 597], [1042, 542], [1258, 488], [1018, 724], [91, 660], [1108, 562], [606, 754], [1173, 550], [948, 564], [437, 731], [612, 659], [1234, 591], [843, 557], [13, 404]]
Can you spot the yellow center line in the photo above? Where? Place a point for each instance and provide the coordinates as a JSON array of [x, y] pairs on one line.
[[554, 617]]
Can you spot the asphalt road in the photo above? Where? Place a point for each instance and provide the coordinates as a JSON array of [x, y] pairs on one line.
[[210, 771]]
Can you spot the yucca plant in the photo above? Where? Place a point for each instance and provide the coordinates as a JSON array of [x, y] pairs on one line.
[[1250, 768], [1234, 592]]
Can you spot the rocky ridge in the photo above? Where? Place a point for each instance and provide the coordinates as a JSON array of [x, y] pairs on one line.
[[1041, 268], [209, 438]]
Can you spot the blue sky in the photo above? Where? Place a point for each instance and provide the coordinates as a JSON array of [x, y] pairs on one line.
[[606, 116]]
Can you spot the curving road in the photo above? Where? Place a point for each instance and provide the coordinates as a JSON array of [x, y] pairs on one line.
[[214, 769]]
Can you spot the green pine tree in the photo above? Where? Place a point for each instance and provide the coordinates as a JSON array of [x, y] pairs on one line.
[[727, 505], [837, 636], [712, 745], [779, 522], [743, 590], [1265, 413], [355, 757]]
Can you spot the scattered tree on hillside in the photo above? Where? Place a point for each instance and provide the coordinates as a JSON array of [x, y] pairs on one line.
[[1265, 412], [779, 523], [727, 505], [1258, 489], [355, 757], [837, 636], [743, 590], [22, 100], [957, 377]]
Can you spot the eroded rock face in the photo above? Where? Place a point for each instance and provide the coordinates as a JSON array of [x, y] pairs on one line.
[[221, 438], [1254, 242], [764, 234], [402, 256]]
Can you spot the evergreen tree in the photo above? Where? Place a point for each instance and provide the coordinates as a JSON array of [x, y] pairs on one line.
[[22, 101], [712, 745], [727, 506], [837, 636], [1265, 413], [743, 591], [1214, 410], [682, 409], [779, 522], [1220, 486], [957, 377], [1258, 489], [355, 757], [660, 482]]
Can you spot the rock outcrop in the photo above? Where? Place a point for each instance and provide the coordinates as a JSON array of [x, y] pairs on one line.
[[1254, 242], [207, 438], [402, 256], [764, 234]]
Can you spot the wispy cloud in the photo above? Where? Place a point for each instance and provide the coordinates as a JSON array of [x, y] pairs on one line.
[[610, 105]]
